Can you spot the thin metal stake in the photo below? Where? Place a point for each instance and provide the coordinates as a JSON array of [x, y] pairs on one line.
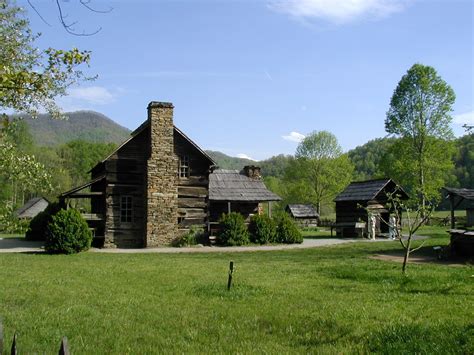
[[231, 271]]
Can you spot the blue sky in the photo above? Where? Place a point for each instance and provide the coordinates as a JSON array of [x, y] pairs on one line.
[[251, 77]]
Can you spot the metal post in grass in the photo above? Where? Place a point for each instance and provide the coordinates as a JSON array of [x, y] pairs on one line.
[[1, 336], [13, 349], [231, 271], [64, 349]]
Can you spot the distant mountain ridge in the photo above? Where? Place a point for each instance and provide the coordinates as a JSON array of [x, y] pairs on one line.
[[90, 126]]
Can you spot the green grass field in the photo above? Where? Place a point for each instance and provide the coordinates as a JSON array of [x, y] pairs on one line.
[[325, 300]]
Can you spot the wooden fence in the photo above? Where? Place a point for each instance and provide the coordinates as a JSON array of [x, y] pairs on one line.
[[63, 349]]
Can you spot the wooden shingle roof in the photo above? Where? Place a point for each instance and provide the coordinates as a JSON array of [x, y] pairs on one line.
[[467, 194], [303, 211], [232, 185], [368, 190], [31, 208]]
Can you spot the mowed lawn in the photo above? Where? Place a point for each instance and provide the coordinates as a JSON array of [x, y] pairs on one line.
[[325, 300]]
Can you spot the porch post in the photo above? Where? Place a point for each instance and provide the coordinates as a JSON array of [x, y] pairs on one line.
[[270, 209], [451, 199], [228, 207]]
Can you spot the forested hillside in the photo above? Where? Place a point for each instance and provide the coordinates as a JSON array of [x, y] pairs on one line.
[[83, 125]]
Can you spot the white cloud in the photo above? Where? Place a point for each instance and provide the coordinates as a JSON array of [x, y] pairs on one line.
[[294, 137], [338, 11], [244, 156], [464, 118], [96, 95]]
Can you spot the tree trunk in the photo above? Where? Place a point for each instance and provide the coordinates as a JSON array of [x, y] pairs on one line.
[[407, 254]]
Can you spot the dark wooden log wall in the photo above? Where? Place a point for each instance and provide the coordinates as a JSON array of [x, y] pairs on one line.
[[125, 176], [193, 191]]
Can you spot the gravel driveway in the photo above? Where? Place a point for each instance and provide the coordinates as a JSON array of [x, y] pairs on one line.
[[19, 245]]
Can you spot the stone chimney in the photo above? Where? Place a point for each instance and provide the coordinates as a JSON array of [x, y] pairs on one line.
[[162, 188], [253, 172]]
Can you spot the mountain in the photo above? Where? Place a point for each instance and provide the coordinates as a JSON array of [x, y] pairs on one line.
[[85, 125], [227, 162]]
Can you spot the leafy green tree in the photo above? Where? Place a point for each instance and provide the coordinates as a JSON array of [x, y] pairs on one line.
[[420, 113], [30, 78], [320, 170], [20, 171], [464, 161], [79, 157], [276, 165], [368, 157]]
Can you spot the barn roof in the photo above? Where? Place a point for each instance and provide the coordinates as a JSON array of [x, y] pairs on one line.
[[303, 211], [232, 185], [31, 208], [368, 190], [467, 194]]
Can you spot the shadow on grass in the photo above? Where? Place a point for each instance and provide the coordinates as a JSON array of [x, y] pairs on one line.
[[423, 339]]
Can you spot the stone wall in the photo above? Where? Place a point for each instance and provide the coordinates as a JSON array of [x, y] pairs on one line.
[[162, 190]]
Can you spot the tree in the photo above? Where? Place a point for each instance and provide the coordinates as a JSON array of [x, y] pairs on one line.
[[420, 113], [320, 167], [30, 78]]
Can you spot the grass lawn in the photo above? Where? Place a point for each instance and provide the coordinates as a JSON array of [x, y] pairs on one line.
[[325, 300], [4, 236]]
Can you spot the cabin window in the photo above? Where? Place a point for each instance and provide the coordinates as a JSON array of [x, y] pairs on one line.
[[126, 209], [183, 166]]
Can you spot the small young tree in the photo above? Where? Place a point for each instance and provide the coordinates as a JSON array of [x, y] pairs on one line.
[[415, 218]]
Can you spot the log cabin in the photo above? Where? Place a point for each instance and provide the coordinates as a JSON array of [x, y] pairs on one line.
[[305, 216], [361, 198], [159, 183]]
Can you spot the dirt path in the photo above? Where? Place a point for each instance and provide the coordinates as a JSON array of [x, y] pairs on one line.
[[19, 245]]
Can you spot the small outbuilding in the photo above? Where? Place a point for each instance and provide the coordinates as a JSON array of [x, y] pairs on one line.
[[30, 209], [457, 196], [304, 215], [361, 198]]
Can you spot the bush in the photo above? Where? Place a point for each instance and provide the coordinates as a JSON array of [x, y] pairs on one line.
[[194, 236], [287, 231], [233, 230], [68, 233], [37, 229], [262, 229]]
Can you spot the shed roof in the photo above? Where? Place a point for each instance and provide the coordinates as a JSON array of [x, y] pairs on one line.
[[31, 208], [232, 185], [467, 194], [303, 211], [368, 190]]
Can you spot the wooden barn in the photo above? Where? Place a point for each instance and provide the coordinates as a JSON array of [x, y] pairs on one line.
[[354, 204], [158, 183], [31, 208], [304, 215]]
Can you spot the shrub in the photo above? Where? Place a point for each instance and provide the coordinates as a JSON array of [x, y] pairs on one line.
[[287, 231], [262, 229], [68, 233], [233, 230], [194, 236], [37, 229]]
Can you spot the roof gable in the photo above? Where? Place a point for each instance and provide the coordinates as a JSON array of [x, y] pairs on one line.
[[146, 125]]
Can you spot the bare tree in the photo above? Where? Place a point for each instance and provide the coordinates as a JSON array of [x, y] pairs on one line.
[[415, 219], [68, 25]]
